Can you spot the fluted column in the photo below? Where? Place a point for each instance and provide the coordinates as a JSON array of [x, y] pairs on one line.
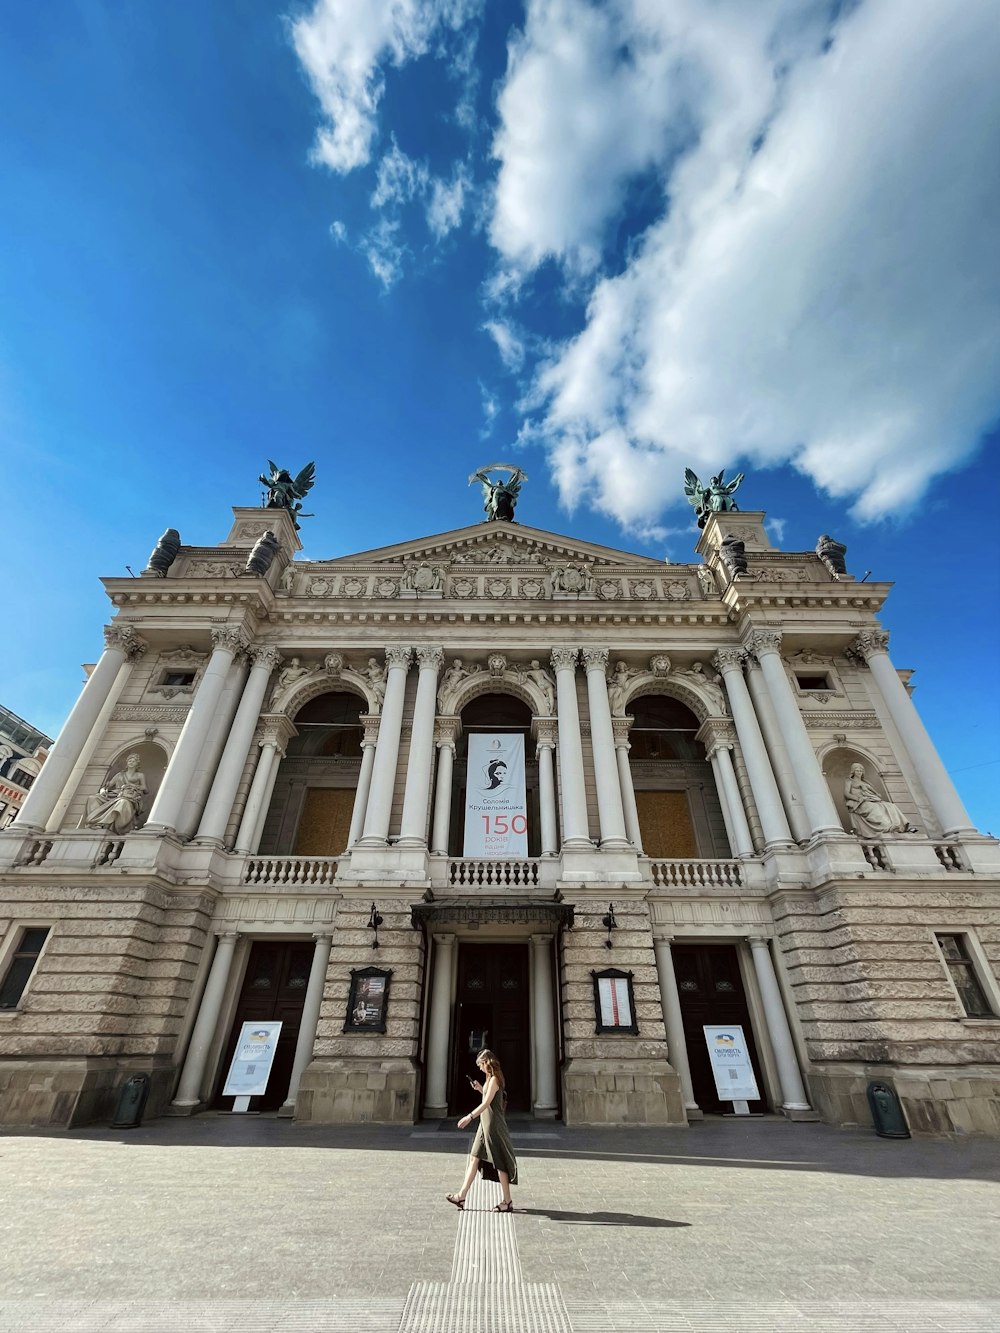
[[311, 1006], [670, 1003], [420, 762], [621, 727], [544, 1025], [733, 814], [729, 661], [784, 774], [793, 1092], [609, 791], [272, 745], [227, 641], [576, 832], [211, 750], [872, 645], [545, 740], [439, 1028], [448, 731], [234, 757], [193, 1073], [122, 644], [376, 826], [820, 809], [364, 778]]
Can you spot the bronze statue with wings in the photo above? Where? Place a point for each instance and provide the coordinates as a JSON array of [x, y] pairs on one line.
[[500, 497], [286, 492], [715, 498]]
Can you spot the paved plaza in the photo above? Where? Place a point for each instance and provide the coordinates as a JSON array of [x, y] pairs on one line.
[[254, 1223]]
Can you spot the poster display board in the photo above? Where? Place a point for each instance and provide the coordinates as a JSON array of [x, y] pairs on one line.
[[368, 1002], [614, 1001], [730, 1061], [496, 813], [252, 1060]]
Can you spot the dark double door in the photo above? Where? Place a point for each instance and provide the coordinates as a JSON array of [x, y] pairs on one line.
[[492, 1011], [711, 992], [274, 989]]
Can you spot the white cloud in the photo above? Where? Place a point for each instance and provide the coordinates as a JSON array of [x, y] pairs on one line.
[[338, 231], [343, 45], [447, 202], [823, 287], [491, 409], [508, 343], [399, 178], [384, 251]]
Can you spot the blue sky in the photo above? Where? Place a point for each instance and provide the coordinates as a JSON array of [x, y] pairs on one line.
[[603, 242]]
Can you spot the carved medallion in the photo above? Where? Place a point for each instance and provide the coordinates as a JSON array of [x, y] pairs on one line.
[[609, 589], [386, 588], [676, 591], [498, 587], [319, 587], [644, 590], [353, 587], [531, 588], [463, 588]]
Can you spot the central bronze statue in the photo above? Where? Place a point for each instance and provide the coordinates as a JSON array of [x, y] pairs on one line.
[[500, 497], [715, 498]]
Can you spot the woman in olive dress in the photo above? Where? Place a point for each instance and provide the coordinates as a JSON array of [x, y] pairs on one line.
[[492, 1150]]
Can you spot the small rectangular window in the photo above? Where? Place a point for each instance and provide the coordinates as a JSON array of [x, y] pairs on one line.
[[959, 962], [21, 965], [177, 678], [812, 682]]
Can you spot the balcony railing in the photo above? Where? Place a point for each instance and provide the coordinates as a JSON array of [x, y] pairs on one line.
[[696, 874], [472, 873], [291, 870]]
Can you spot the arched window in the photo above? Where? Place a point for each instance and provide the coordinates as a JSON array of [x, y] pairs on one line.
[[675, 794], [508, 716]]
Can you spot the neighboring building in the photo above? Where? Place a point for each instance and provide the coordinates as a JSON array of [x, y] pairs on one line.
[[703, 848], [22, 752]]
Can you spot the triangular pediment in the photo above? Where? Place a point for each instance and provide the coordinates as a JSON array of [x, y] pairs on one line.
[[492, 544]]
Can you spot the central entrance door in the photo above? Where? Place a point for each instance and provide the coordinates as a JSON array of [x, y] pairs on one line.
[[274, 989], [492, 1010], [711, 991]]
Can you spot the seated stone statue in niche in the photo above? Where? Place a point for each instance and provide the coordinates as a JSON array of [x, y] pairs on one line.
[[872, 815], [118, 804]]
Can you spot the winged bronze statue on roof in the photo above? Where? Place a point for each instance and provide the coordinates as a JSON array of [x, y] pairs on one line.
[[499, 497], [285, 491], [715, 498]]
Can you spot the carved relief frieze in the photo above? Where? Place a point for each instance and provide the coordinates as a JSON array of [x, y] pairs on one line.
[[463, 587], [353, 586], [319, 587], [386, 588], [152, 713], [531, 588], [572, 580], [609, 590], [207, 569], [852, 721], [498, 587], [642, 590], [777, 574], [677, 590]]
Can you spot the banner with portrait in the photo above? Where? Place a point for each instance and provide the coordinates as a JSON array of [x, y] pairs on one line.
[[496, 812]]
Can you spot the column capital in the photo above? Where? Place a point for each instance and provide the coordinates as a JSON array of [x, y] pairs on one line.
[[662, 937], [320, 935], [758, 941], [370, 722], [621, 726], [868, 643], [398, 655], [264, 655], [125, 639], [716, 734], [729, 659], [760, 641], [230, 638], [445, 939], [564, 659], [227, 934], [595, 659], [447, 730], [541, 939], [430, 656]]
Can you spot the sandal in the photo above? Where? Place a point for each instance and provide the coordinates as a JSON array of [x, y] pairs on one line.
[[458, 1202], [507, 1207]]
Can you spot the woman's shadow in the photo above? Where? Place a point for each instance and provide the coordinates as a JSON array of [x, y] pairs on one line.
[[600, 1219]]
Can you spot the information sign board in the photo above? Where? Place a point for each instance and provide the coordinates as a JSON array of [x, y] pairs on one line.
[[730, 1061], [252, 1060]]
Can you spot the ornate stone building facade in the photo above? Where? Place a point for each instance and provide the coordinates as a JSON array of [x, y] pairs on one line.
[[255, 812], [22, 752]]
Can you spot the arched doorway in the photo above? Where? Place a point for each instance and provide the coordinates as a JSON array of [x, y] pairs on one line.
[[679, 812], [310, 812], [507, 716]]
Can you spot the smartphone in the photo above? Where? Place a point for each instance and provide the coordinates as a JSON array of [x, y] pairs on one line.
[[471, 1079]]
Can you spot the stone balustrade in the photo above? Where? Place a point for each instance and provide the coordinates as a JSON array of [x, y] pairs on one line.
[[700, 874], [304, 871]]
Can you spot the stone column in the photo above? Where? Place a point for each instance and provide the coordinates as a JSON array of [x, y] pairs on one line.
[[872, 645], [622, 726], [545, 744], [122, 644], [448, 731], [439, 1029], [420, 762], [793, 1093], [780, 762], [234, 757], [670, 1002], [277, 732], [729, 661], [364, 777], [609, 789], [544, 1027], [721, 759], [576, 832], [227, 641], [310, 1018], [376, 826], [211, 751], [820, 809], [193, 1073]]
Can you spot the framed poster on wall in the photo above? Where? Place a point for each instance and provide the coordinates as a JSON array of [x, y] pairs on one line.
[[614, 1002], [368, 1001]]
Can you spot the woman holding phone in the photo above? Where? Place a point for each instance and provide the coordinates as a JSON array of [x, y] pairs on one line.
[[492, 1151]]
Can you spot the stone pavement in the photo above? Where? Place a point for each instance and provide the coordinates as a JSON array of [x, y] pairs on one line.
[[254, 1224]]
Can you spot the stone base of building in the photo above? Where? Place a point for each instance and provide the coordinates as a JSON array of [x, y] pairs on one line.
[[626, 1092], [360, 1090], [62, 1094], [962, 1100]]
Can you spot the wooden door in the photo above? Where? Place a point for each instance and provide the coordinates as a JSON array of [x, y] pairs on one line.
[[325, 822], [492, 1011], [665, 825], [274, 989], [711, 991]]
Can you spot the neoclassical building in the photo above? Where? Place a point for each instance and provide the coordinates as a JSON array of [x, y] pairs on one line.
[[731, 825]]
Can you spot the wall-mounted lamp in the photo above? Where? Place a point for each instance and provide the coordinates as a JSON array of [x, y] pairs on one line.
[[374, 921], [609, 923]]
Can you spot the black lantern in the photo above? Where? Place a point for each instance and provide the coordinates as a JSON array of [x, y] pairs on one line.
[[609, 923], [374, 921]]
